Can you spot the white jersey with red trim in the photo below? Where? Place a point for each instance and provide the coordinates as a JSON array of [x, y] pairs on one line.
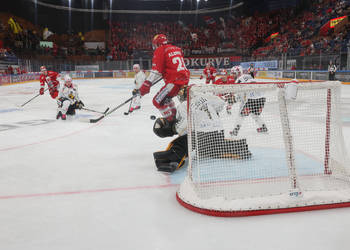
[[140, 77]]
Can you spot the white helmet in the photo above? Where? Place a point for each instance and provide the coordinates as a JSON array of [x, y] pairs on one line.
[[67, 80], [237, 70], [136, 67]]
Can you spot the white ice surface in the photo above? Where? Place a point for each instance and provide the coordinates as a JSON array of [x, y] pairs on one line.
[[76, 185]]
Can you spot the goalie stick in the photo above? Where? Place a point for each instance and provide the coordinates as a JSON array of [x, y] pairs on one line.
[[115, 108]]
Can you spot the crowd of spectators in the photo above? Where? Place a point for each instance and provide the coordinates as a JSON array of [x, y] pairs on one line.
[[298, 32]]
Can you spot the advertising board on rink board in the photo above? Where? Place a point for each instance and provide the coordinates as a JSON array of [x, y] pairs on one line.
[[217, 62], [343, 76]]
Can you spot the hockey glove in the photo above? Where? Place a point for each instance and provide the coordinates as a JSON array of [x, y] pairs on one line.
[[135, 92], [145, 88], [201, 77], [80, 105], [41, 92]]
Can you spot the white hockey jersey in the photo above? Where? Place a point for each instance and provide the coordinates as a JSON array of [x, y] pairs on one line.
[[70, 93], [140, 77], [205, 109], [255, 94]]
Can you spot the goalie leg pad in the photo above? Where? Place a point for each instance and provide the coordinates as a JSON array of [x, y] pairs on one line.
[[174, 157]]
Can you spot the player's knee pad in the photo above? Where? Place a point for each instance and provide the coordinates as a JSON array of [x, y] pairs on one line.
[[173, 157], [168, 109], [164, 128]]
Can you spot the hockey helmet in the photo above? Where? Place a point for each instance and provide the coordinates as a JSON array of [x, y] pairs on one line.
[[159, 40], [136, 67], [43, 69], [237, 70], [67, 80]]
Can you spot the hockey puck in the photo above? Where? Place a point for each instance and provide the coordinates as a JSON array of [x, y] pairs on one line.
[[152, 117]]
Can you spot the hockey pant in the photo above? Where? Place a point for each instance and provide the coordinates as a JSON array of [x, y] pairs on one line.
[[163, 100], [173, 157], [53, 88], [65, 106]]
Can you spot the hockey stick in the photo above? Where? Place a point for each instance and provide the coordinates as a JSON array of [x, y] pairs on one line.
[[91, 110], [128, 112], [32, 98], [115, 108]]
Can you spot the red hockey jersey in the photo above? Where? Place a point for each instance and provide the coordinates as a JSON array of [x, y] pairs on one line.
[[168, 60]]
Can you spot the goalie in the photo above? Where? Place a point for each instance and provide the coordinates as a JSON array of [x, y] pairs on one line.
[[210, 135], [68, 99]]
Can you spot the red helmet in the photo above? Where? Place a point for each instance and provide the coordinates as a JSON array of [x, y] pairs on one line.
[[159, 40]]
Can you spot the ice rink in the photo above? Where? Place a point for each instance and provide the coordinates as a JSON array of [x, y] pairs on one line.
[[78, 185]]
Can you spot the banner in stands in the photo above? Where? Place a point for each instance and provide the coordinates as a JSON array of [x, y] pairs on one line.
[[261, 64], [94, 45], [87, 68], [217, 62]]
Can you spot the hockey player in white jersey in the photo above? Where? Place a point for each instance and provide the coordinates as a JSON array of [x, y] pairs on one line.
[[68, 99], [252, 102], [140, 77]]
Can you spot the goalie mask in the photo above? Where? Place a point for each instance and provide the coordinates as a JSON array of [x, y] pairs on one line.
[[163, 128]]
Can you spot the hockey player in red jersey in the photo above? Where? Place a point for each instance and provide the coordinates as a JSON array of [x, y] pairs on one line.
[[225, 78], [167, 63], [50, 78], [209, 72]]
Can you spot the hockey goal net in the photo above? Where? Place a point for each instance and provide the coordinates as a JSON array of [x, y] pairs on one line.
[[297, 163]]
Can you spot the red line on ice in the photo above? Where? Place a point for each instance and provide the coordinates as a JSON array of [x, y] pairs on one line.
[[16, 196]]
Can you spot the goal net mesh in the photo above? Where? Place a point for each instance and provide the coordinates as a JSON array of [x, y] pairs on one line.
[[285, 153]]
